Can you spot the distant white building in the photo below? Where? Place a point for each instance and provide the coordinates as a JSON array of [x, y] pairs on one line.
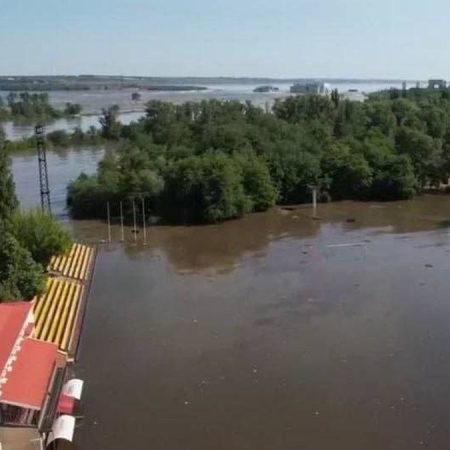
[[311, 87]]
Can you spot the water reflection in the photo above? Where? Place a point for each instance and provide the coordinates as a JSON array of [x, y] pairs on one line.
[[222, 248], [63, 166], [302, 341]]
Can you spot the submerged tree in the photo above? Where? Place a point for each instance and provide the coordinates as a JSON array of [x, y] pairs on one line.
[[215, 160], [110, 125]]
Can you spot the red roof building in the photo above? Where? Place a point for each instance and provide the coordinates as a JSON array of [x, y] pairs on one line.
[[31, 373], [34, 391], [27, 366], [14, 317]]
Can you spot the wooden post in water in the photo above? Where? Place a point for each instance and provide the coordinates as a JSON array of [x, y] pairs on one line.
[[143, 220], [314, 198], [121, 222], [134, 221], [109, 221]]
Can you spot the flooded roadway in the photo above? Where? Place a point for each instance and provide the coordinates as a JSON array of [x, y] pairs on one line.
[[274, 332]]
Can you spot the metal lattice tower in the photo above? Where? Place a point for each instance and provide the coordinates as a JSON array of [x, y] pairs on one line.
[[43, 173]]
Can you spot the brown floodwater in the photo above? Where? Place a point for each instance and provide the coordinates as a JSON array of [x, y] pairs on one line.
[[274, 332]]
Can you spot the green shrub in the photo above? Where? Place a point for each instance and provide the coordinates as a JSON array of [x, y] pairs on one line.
[[21, 278], [41, 235], [205, 188]]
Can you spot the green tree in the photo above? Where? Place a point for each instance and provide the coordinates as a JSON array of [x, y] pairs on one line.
[[293, 171], [349, 173], [21, 278], [424, 153], [205, 188], [86, 197], [393, 178], [41, 235], [258, 185], [72, 109], [8, 199], [335, 98], [111, 127]]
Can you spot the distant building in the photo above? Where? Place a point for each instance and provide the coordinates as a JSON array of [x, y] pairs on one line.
[[313, 87], [266, 89], [437, 84], [404, 85]]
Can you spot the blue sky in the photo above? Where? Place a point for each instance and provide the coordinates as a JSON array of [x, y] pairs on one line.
[[279, 38]]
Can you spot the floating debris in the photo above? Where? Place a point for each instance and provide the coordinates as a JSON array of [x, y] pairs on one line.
[[349, 244]]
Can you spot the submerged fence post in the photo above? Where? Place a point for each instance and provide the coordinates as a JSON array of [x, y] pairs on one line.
[[143, 220], [109, 221], [121, 222], [314, 198], [134, 221]]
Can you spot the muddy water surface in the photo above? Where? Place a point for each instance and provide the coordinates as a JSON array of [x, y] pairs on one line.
[[274, 332]]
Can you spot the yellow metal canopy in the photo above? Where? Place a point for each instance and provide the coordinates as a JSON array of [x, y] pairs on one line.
[[56, 312], [75, 264]]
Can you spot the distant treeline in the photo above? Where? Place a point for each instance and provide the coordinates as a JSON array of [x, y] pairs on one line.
[[32, 105], [211, 161], [56, 140], [93, 82]]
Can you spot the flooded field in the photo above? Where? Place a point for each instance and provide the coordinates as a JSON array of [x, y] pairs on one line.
[[274, 332]]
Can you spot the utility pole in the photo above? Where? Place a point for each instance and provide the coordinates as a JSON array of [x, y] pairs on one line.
[[134, 221], [143, 220], [121, 222], [43, 172], [109, 221]]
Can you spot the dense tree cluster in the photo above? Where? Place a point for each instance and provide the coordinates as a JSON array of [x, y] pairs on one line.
[[27, 241], [26, 105], [72, 109], [209, 161]]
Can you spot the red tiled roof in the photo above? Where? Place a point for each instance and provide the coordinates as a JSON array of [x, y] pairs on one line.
[[12, 319], [28, 381]]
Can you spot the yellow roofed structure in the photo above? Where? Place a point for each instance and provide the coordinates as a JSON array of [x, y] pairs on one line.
[[74, 264], [56, 312]]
